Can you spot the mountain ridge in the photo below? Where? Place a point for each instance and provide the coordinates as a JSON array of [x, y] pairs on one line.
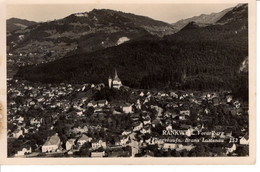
[[194, 58], [13, 24], [202, 19], [97, 29]]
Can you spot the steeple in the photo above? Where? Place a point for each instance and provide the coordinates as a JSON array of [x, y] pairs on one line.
[[116, 74], [116, 78]]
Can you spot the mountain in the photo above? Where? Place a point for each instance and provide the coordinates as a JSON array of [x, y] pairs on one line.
[[14, 24], [237, 14], [81, 32], [203, 19], [194, 58]]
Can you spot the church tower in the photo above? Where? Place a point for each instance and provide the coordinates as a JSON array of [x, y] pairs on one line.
[[116, 81]]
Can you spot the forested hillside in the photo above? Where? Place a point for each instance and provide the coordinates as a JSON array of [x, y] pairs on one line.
[[194, 58]]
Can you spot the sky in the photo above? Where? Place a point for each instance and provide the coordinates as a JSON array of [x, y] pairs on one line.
[[169, 13]]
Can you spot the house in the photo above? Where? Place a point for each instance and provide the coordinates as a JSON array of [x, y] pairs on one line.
[[138, 104], [229, 98], [244, 140], [231, 149], [25, 150], [116, 112], [70, 143], [189, 132], [117, 141], [168, 127], [83, 139], [137, 126], [146, 129], [79, 112], [155, 122], [34, 121], [20, 119], [97, 154], [124, 140], [174, 95], [98, 143], [92, 104], [237, 104], [127, 108], [127, 132], [17, 133], [147, 121], [52, 144], [158, 109], [185, 112], [182, 117], [11, 103], [102, 103], [207, 111]]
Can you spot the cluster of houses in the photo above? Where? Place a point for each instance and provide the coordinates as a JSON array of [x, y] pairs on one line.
[[38, 52], [168, 110]]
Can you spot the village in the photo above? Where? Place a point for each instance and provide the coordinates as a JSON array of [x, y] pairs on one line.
[[113, 120]]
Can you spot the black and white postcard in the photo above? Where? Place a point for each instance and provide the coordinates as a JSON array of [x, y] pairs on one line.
[[128, 82]]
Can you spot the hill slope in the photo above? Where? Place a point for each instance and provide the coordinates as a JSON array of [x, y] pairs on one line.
[[86, 32], [194, 58], [14, 24]]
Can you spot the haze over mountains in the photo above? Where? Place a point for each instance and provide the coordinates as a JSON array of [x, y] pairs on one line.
[[147, 53], [203, 19]]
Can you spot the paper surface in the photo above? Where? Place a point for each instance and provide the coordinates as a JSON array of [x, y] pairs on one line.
[[52, 113]]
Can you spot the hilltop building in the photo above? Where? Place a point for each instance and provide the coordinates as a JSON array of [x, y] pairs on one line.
[[115, 82]]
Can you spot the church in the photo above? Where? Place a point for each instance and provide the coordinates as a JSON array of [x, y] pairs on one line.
[[115, 82]]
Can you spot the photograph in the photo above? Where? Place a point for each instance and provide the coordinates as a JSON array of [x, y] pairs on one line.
[[129, 82]]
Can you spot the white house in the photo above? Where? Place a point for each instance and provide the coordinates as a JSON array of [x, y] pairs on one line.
[[98, 143], [185, 112], [102, 103], [127, 132], [83, 139], [231, 149], [146, 129], [52, 144], [17, 133], [92, 104], [244, 140], [124, 140], [138, 126], [147, 121], [229, 98], [20, 119], [189, 132], [70, 143], [169, 127], [127, 108], [138, 104], [97, 154], [79, 113], [25, 150]]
